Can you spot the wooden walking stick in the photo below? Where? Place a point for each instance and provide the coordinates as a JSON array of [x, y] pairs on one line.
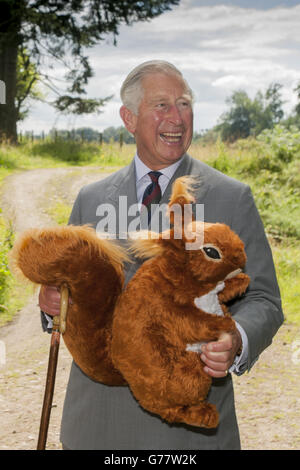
[[59, 327]]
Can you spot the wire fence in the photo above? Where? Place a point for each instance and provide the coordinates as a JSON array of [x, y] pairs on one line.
[[71, 136]]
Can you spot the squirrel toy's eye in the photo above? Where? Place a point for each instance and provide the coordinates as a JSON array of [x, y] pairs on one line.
[[212, 252]]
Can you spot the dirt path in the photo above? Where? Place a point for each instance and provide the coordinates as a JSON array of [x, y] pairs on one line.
[[26, 197], [267, 399]]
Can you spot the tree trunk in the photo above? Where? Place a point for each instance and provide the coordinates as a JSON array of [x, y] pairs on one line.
[[8, 113], [9, 41]]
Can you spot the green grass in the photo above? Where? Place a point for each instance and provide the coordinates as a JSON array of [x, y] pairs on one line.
[[271, 166], [287, 262], [13, 293], [5, 276], [275, 183], [60, 213], [63, 153]]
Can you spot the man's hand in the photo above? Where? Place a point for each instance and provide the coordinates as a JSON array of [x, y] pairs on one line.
[[219, 356], [49, 300]]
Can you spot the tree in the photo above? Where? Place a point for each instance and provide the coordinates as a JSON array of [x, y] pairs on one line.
[[27, 80], [113, 133], [274, 103], [63, 30], [250, 117], [293, 120], [237, 122], [297, 108]]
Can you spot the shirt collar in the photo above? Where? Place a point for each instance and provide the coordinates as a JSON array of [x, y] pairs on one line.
[[141, 169]]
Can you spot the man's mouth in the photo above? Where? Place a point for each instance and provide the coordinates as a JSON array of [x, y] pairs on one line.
[[171, 137]]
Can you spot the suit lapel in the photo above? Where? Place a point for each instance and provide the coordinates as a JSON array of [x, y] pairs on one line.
[[124, 199], [182, 170], [125, 185], [188, 167]]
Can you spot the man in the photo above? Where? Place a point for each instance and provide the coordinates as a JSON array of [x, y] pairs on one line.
[[157, 110]]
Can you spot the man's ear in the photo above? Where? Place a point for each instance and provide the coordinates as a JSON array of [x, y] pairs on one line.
[[129, 119]]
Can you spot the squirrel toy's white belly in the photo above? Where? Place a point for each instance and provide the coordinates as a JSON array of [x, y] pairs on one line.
[[209, 303]]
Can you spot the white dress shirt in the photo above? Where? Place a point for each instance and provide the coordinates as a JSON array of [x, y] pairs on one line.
[[143, 179]]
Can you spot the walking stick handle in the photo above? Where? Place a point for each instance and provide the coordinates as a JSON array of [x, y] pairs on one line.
[[64, 302]]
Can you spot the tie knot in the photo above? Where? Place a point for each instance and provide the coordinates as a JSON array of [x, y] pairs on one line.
[[154, 175]]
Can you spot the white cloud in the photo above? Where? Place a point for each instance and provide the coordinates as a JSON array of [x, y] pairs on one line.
[[218, 48], [232, 81]]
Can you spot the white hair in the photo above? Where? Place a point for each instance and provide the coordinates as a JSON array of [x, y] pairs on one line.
[[132, 89]]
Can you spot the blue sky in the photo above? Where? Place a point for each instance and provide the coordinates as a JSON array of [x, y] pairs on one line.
[[219, 46]]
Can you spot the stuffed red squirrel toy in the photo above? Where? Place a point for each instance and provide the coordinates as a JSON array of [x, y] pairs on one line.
[[147, 335]]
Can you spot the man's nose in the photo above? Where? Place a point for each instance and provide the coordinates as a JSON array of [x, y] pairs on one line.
[[174, 115]]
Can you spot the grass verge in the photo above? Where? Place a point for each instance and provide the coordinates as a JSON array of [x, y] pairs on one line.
[[287, 263], [13, 293], [60, 212]]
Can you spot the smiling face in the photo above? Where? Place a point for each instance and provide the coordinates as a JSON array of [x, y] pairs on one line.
[[163, 128]]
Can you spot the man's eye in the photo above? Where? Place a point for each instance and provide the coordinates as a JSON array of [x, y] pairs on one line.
[[184, 104]]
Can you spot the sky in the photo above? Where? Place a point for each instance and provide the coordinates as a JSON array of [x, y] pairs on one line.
[[219, 46]]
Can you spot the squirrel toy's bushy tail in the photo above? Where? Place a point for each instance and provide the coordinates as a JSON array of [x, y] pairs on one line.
[[92, 268]]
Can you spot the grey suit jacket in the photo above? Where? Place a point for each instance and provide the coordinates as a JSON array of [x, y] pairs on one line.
[[97, 416]]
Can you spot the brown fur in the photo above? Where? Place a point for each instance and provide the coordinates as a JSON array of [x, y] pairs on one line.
[[139, 336], [93, 270]]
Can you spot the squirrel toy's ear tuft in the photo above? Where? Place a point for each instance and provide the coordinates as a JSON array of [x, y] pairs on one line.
[[183, 190], [145, 244], [182, 198]]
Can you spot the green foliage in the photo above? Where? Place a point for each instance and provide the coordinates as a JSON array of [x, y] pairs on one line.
[[72, 26], [72, 152], [67, 104], [6, 240], [89, 134], [271, 166], [237, 123], [60, 32], [13, 293], [297, 108], [113, 133], [27, 80], [46, 154], [248, 117], [283, 143], [7, 159], [60, 212], [287, 262]]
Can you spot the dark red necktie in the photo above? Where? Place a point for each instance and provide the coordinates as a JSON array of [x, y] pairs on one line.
[[152, 194]]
